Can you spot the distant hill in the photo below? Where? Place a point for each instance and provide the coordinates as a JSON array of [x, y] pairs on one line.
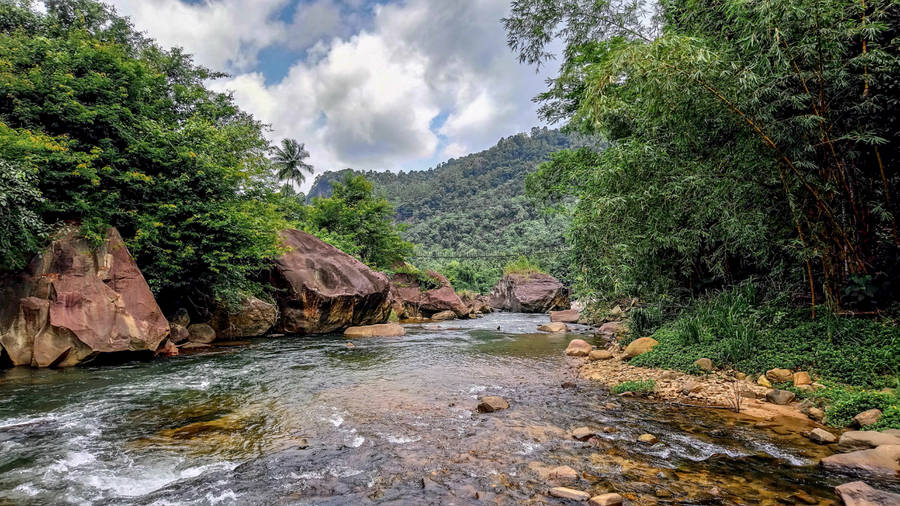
[[474, 205]]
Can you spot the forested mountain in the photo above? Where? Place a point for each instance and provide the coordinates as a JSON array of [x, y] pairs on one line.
[[474, 206]]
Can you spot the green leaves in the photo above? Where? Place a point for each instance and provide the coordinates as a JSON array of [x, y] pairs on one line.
[[21, 229], [121, 132], [357, 222], [746, 135]]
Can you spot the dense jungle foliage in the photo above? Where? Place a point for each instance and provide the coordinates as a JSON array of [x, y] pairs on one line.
[[101, 126], [751, 146], [476, 206], [746, 139]]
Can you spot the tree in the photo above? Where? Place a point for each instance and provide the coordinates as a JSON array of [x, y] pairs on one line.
[[21, 228], [290, 162], [779, 113], [357, 222], [121, 132]]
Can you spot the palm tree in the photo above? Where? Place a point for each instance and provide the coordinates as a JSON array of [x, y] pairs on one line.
[[290, 161]]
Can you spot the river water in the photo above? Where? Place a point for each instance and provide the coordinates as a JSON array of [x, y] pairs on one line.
[[389, 421]]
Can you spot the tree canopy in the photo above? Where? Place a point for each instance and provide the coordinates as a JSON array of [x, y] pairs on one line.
[[746, 139]]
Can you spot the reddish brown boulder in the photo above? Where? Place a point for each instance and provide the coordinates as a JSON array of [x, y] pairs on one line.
[[410, 301], [253, 318], [321, 289], [74, 301], [529, 293], [565, 316]]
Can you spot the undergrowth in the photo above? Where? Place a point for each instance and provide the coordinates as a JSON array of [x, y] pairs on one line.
[[740, 329], [637, 387], [737, 328]]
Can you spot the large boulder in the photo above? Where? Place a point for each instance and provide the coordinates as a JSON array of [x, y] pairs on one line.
[[883, 460], [412, 300], [76, 300], [865, 439], [321, 289], [254, 317], [529, 293], [859, 493]]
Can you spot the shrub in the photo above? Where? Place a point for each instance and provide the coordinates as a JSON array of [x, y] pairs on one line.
[[638, 387], [733, 328], [522, 266], [890, 418], [848, 403]]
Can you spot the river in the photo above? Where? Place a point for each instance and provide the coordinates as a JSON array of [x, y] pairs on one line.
[[391, 421]]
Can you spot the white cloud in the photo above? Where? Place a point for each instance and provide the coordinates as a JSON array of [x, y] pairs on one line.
[[225, 34], [363, 98]]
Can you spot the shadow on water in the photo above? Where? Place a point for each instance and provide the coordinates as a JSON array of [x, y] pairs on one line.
[[388, 421]]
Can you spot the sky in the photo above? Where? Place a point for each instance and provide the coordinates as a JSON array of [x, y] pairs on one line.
[[383, 85]]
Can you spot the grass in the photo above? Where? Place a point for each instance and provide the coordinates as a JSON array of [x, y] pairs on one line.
[[425, 280], [522, 266], [738, 329], [637, 387]]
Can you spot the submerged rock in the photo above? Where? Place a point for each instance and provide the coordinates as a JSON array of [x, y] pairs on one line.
[[253, 318], [76, 300], [610, 499], [583, 433], [569, 493], [529, 293], [639, 347], [648, 439], [380, 330], [563, 474], [858, 493], [491, 403], [321, 289]]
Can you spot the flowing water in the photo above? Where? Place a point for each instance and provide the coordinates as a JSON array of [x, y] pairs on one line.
[[313, 421]]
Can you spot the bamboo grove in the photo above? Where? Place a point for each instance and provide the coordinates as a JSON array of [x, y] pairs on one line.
[[774, 121]]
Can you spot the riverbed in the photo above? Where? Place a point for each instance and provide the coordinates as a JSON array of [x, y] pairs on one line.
[[311, 420]]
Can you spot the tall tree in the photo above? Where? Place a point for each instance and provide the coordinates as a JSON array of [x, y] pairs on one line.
[[290, 162], [781, 113]]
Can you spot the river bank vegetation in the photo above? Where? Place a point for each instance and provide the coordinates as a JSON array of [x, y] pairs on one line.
[[103, 127], [747, 195]]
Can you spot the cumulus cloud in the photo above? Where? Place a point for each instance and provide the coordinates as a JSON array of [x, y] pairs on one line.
[[394, 86]]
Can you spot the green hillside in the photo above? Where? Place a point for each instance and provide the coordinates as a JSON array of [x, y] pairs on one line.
[[474, 206]]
